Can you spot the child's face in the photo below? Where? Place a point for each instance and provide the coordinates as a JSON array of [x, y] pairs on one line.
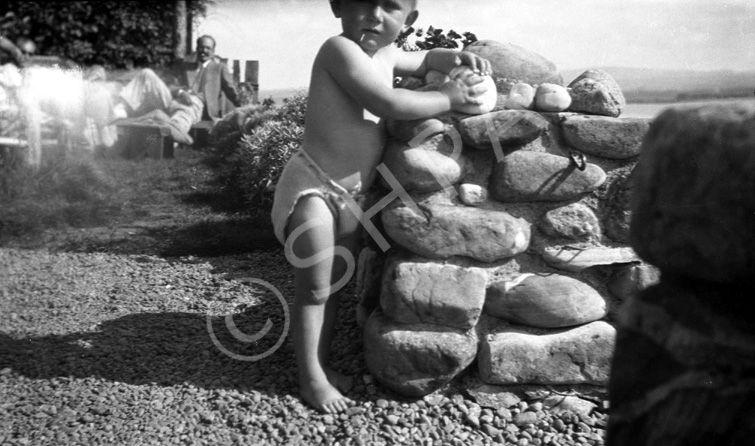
[[374, 24]]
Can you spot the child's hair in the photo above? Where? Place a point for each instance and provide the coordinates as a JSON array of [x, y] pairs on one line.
[[337, 2]]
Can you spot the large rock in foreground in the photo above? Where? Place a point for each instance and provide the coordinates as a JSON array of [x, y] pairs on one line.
[[693, 210], [416, 359]]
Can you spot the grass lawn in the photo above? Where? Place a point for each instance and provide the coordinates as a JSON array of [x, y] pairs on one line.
[[168, 207]]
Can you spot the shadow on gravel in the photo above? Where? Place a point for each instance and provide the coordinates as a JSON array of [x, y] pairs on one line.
[[217, 201], [216, 238], [202, 239], [166, 349]]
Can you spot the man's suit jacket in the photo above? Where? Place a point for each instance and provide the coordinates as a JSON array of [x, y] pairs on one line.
[[209, 83]]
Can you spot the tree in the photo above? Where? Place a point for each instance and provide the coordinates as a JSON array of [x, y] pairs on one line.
[[180, 29], [117, 34]]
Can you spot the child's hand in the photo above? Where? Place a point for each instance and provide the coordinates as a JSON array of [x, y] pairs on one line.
[[464, 90], [478, 64]]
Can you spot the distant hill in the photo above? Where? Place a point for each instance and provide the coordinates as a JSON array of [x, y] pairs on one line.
[[651, 85], [279, 94], [640, 84]]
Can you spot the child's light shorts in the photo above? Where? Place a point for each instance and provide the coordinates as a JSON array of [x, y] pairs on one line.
[[302, 177]]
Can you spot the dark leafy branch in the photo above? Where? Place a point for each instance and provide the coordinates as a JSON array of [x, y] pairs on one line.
[[117, 34], [434, 38]]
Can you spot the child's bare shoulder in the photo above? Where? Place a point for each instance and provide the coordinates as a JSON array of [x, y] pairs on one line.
[[339, 51], [337, 47]]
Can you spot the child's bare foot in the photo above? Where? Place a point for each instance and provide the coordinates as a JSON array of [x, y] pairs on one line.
[[324, 397], [339, 380]]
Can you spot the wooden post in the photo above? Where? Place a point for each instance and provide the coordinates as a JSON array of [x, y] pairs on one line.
[[189, 31], [251, 76], [236, 71], [180, 29]]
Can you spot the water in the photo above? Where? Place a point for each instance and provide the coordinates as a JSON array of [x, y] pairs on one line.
[[652, 110], [632, 110]]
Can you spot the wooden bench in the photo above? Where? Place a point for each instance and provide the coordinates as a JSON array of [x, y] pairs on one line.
[[200, 133], [140, 140]]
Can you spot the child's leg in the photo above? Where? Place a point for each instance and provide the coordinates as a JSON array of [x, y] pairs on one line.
[[314, 312], [340, 269]]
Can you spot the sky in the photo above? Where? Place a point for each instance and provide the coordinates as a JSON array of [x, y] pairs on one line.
[[285, 35]]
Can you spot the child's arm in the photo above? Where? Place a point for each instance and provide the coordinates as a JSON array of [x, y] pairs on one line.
[[418, 63], [364, 79]]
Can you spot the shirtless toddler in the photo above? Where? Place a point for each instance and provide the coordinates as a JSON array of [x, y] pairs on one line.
[[350, 92]]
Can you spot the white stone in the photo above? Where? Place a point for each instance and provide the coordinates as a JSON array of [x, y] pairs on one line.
[[473, 194], [552, 98], [520, 97]]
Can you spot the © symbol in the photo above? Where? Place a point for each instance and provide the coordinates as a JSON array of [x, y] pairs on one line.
[[248, 339]]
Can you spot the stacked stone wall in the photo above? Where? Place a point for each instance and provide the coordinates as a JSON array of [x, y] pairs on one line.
[[510, 253]]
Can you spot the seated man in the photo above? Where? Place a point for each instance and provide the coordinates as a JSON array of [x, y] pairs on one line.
[[194, 93]]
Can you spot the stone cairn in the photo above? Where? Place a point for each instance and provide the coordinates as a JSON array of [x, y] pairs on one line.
[[506, 240]]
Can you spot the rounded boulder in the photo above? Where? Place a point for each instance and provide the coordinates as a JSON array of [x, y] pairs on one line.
[[514, 62], [550, 301]]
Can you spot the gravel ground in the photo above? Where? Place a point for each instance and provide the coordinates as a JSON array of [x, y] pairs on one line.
[[138, 349]]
